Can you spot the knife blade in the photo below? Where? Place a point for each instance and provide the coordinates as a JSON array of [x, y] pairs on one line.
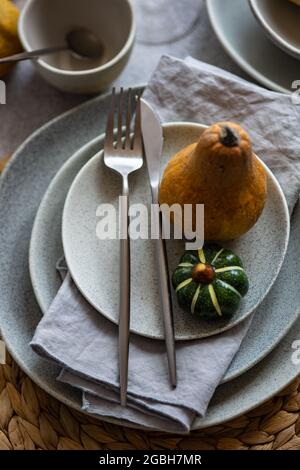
[[153, 144]]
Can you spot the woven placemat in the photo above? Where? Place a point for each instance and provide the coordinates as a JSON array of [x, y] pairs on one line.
[[32, 419]]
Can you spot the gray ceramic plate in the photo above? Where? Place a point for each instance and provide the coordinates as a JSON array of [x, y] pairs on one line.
[[30, 171], [250, 47], [280, 20], [94, 263], [45, 249]]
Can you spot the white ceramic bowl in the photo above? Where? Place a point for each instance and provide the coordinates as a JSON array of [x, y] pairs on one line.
[[45, 23], [281, 21]]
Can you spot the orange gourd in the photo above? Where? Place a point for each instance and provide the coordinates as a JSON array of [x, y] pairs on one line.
[[221, 172]]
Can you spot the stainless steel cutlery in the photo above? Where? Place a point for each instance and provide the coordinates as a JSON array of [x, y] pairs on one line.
[[124, 156], [123, 153], [153, 144]]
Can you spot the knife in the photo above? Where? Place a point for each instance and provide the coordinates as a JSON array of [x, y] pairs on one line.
[[153, 144]]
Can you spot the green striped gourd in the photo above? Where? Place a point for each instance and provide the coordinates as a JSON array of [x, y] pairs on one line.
[[210, 282]]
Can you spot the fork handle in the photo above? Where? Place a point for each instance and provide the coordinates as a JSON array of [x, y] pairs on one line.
[[124, 305]]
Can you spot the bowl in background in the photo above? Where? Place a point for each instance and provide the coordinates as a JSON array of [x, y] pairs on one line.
[[281, 21], [46, 23]]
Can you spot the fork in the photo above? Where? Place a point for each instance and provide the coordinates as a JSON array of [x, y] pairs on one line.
[[124, 156]]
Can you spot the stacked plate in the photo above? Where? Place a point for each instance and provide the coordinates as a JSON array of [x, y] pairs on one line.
[[262, 36], [53, 178]]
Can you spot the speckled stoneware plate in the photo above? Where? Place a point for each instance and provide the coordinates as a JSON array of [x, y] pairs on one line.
[[280, 21], [250, 47], [31, 170], [46, 249], [94, 263]]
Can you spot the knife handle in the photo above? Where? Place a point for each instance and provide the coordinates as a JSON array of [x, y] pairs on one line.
[[166, 302]]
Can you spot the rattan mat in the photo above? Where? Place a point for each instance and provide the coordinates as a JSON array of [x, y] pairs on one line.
[[32, 419]]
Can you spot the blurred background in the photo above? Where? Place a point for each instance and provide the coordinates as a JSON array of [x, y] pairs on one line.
[[180, 28]]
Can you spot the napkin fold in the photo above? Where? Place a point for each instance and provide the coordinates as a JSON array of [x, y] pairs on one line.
[[85, 344]]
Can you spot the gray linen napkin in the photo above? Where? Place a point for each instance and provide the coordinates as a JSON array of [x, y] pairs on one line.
[[85, 344]]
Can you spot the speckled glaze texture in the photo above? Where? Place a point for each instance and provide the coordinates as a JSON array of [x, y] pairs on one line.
[[94, 263], [239, 32], [44, 252], [31, 171]]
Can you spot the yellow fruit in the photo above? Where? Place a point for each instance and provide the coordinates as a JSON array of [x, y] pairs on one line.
[[221, 172], [9, 40]]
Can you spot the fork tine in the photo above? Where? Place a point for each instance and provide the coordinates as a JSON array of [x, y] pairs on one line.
[[128, 120], [109, 135], [120, 112], [137, 140]]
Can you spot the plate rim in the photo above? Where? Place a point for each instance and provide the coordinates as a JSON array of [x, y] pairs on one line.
[[276, 38], [237, 58], [35, 227], [227, 327]]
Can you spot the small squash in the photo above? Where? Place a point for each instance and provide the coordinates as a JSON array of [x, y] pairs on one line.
[[210, 282], [221, 172]]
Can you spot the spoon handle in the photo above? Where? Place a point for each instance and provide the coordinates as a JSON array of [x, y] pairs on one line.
[[31, 54]]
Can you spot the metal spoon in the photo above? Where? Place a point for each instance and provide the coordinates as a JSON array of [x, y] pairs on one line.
[[82, 42]]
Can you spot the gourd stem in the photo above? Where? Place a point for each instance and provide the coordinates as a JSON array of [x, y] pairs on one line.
[[229, 137], [203, 273]]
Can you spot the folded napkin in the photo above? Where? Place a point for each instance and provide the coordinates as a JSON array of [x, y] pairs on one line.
[[85, 344]]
